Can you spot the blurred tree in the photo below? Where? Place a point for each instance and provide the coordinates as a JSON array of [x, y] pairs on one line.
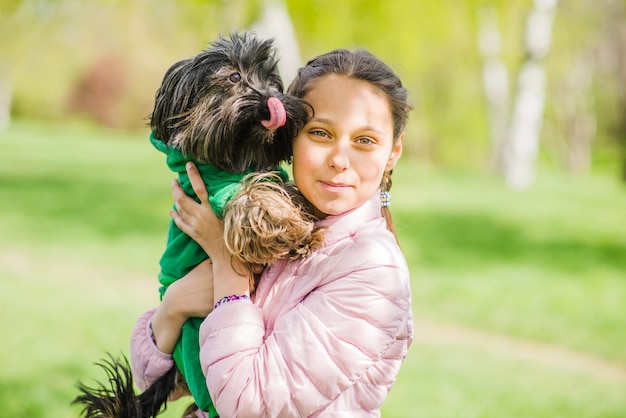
[[614, 40], [574, 115], [516, 142], [13, 14], [101, 89], [53, 47], [587, 103], [495, 83], [6, 96], [275, 22], [428, 44], [50, 47]]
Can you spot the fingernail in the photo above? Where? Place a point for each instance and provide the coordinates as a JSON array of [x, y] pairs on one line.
[[189, 165]]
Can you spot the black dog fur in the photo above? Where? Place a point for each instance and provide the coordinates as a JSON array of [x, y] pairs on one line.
[[209, 106]]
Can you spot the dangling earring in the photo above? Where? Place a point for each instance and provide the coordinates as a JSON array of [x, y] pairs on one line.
[[385, 186], [385, 199]]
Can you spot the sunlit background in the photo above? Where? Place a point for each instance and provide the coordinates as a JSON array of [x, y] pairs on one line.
[[510, 198]]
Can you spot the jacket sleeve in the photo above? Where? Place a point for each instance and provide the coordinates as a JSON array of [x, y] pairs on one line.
[[146, 361], [316, 351]]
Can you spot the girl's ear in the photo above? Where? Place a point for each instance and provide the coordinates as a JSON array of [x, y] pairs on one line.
[[396, 152]]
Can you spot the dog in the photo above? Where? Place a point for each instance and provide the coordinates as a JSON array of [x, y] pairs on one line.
[[225, 110]]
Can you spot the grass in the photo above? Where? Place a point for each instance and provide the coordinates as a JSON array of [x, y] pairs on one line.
[[83, 224], [546, 263]]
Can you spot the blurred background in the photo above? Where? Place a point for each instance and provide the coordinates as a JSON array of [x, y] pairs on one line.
[[509, 199], [103, 60]]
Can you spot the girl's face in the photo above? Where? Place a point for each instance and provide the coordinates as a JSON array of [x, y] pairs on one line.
[[340, 155]]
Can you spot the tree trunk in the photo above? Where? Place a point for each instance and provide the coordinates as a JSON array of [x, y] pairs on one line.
[[516, 142], [276, 23], [618, 24], [574, 115], [523, 143], [496, 85], [6, 97]]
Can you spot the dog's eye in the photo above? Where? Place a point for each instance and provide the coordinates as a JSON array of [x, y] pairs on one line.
[[234, 78]]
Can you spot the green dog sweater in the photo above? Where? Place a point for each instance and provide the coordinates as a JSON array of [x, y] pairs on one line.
[[182, 254]]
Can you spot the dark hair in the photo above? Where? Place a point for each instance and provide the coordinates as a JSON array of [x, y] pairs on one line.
[[360, 65]]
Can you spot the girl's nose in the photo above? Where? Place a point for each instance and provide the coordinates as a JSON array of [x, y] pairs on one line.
[[339, 159]]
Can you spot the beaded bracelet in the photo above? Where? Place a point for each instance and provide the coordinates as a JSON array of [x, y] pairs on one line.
[[152, 333], [230, 298]]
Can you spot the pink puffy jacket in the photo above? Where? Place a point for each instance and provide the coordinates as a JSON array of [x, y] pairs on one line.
[[324, 337]]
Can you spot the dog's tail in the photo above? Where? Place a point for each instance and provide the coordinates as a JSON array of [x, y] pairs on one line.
[[119, 399]]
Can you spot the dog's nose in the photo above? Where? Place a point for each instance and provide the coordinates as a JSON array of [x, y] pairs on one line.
[[278, 115]]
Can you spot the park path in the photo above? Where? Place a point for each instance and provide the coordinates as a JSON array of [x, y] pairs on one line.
[[426, 332], [534, 352]]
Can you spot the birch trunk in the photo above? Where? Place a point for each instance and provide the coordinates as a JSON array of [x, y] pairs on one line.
[[523, 143], [515, 142], [495, 84], [276, 23], [6, 97]]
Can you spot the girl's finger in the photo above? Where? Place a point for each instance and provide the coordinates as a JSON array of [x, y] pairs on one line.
[[181, 212], [197, 183], [177, 220], [177, 191], [181, 200], [181, 223]]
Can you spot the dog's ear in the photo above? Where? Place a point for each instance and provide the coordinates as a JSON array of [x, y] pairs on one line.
[[281, 217], [171, 101]]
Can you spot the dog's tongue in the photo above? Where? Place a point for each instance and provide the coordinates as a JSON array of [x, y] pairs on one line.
[[278, 116]]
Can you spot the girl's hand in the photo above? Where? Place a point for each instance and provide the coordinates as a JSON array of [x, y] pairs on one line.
[[190, 296], [198, 219], [200, 222]]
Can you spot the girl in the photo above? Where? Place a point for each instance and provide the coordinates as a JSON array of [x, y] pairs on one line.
[[324, 336]]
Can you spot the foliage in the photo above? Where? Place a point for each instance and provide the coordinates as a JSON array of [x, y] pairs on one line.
[[84, 223], [431, 44]]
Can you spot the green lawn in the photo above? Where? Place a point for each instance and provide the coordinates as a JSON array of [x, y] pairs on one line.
[[83, 224]]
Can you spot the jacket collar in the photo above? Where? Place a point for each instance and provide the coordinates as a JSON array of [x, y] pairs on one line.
[[347, 223]]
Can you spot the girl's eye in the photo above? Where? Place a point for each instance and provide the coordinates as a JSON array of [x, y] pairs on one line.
[[365, 141], [234, 78], [319, 133]]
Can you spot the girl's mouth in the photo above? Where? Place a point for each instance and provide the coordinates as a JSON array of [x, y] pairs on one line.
[[334, 187]]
